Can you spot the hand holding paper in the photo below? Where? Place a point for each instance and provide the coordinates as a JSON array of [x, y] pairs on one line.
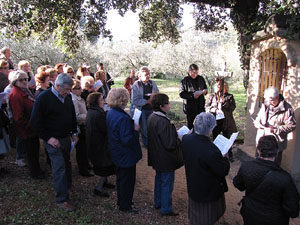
[[224, 144], [183, 130], [136, 116]]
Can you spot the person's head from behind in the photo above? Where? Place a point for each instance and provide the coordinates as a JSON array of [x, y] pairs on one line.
[[193, 71], [87, 83], [160, 102], [63, 84], [95, 99], [24, 65], [4, 67], [144, 74], [204, 123], [117, 98], [271, 96], [100, 66], [267, 146]]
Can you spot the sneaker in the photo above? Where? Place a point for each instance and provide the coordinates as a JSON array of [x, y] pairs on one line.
[[20, 162], [66, 206]]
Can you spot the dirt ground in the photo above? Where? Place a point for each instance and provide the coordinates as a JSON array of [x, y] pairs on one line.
[[26, 201]]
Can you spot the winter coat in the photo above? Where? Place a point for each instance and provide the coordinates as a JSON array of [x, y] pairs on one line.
[[21, 107], [228, 106], [124, 145], [271, 198], [96, 138], [282, 119], [187, 89], [162, 143], [205, 168]]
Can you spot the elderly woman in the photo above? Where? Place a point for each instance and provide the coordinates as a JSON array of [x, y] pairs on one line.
[[87, 83], [21, 102], [271, 195], [80, 111], [222, 105], [97, 142], [205, 169], [162, 153], [124, 146], [42, 83]]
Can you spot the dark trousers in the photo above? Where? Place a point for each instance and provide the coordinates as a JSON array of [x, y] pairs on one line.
[[32, 148], [190, 117], [81, 155], [125, 186]]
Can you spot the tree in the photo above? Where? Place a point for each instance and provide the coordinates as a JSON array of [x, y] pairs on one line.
[[72, 20]]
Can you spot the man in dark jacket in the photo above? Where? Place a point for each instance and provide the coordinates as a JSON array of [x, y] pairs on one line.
[[192, 91], [53, 118], [271, 195]]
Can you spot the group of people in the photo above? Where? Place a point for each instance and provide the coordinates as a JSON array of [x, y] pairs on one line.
[[64, 109]]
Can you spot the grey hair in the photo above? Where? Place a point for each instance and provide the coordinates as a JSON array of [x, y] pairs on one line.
[[64, 79], [271, 92], [14, 76], [144, 68], [204, 123]]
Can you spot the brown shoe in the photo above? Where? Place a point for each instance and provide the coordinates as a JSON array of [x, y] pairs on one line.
[[66, 206]]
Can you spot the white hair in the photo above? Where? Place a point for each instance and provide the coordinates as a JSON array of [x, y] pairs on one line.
[[204, 123], [271, 92]]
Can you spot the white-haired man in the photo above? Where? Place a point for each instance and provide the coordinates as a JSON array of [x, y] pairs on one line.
[[276, 117]]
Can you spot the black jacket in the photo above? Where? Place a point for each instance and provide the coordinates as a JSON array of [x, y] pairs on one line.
[[187, 89], [270, 199], [162, 143], [205, 168], [96, 138]]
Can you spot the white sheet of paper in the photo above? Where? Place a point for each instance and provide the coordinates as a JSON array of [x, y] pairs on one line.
[[136, 116], [198, 92], [220, 116], [98, 84], [224, 144], [183, 130]]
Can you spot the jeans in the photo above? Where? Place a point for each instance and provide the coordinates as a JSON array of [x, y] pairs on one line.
[[143, 122], [125, 186], [163, 188], [61, 168]]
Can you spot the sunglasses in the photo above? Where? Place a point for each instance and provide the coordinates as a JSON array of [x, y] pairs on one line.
[[23, 79]]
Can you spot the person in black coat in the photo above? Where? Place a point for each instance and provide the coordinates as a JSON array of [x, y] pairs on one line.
[[192, 91], [97, 142], [271, 195], [163, 153], [205, 169]]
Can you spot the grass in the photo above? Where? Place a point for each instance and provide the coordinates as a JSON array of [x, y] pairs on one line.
[[171, 88]]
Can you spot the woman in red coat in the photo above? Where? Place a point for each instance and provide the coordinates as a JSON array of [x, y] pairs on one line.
[[21, 102]]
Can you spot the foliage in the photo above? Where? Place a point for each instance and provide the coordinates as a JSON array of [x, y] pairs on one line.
[[208, 50], [71, 21]]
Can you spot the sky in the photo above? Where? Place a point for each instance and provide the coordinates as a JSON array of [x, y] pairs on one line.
[[124, 28]]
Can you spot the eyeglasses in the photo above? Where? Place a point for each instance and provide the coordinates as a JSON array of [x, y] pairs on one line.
[[70, 72], [23, 79], [77, 88], [4, 68]]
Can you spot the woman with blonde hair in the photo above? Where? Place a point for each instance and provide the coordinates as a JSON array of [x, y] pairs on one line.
[[69, 70], [87, 83], [26, 67], [124, 146]]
